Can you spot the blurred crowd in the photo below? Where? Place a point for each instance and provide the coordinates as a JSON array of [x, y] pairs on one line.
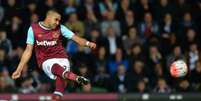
[[137, 41]]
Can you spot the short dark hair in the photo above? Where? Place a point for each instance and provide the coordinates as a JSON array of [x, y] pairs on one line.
[[52, 10]]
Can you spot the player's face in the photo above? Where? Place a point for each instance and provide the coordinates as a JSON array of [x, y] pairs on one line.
[[54, 21]]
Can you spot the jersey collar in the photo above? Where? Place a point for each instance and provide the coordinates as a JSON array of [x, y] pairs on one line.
[[42, 26]]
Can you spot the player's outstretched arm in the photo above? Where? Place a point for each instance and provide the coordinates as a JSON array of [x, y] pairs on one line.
[[24, 59], [83, 42]]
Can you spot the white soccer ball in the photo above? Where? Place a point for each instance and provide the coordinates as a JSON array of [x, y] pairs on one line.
[[178, 68]]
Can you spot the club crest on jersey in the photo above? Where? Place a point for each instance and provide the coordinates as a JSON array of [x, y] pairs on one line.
[[55, 34], [40, 35]]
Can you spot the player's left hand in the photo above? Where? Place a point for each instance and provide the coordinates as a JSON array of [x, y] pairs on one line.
[[92, 45]]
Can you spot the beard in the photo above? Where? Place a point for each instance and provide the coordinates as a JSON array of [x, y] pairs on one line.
[[53, 26]]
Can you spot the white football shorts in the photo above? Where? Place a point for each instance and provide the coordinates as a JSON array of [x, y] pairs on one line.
[[47, 66]]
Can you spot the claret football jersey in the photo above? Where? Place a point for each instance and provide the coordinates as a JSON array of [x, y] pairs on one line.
[[47, 42]]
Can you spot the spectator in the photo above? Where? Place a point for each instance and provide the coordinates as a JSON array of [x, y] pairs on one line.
[[45, 5], [87, 88], [157, 73], [167, 44], [119, 80], [34, 18], [75, 24], [87, 8], [162, 87], [175, 55], [70, 7], [15, 31], [107, 6], [8, 81], [4, 88], [148, 27], [102, 80], [186, 23], [26, 86], [95, 36], [91, 23], [135, 74], [1, 14], [167, 26], [118, 59], [184, 86], [5, 43], [164, 7], [2, 58], [127, 21], [142, 87], [130, 39], [195, 76], [36, 79], [181, 6], [141, 7], [17, 53], [192, 56], [110, 22], [112, 41], [84, 71], [136, 53], [101, 59], [197, 15], [154, 57], [10, 10], [123, 7], [31, 8], [190, 37]]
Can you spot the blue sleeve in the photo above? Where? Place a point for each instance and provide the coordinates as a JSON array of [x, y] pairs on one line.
[[66, 32], [30, 36], [102, 8]]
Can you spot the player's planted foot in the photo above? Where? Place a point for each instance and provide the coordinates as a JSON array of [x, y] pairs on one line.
[[82, 80], [56, 97]]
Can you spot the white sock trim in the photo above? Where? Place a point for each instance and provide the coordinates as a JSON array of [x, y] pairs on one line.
[[58, 93], [64, 73]]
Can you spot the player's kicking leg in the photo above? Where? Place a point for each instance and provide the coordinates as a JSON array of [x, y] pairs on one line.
[[60, 82], [60, 71]]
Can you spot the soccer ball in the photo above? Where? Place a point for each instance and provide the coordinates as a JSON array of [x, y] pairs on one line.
[[178, 68]]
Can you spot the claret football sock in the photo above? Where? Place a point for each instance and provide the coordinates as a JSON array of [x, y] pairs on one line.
[[60, 85], [60, 71], [70, 75]]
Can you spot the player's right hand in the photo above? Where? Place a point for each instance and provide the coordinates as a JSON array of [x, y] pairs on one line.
[[92, 45], [16, 74]]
